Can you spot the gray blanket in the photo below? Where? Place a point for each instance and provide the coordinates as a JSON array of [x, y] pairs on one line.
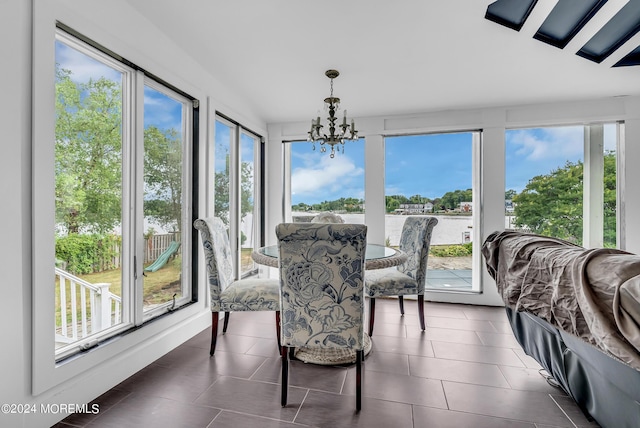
[[593, 294]]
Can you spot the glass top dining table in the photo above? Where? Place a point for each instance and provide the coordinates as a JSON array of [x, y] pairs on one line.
[[376, 256]]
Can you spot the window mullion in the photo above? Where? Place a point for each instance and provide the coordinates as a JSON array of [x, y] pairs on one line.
[[593, 186], [128, 195], [135, 240], [621, 208], [235, 199]]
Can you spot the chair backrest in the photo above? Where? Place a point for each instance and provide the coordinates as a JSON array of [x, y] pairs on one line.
[[414, 241], [217, 253], [327, 218], [321, 284]]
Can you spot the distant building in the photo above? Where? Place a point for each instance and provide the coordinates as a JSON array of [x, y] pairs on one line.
[[415, 208], [466, 207], [509, 206]]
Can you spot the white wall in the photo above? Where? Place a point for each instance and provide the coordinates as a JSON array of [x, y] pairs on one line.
[[115, 25], [14, 191], [493, 121]]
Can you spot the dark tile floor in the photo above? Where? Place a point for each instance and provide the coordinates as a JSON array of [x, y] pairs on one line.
[[465, 370]]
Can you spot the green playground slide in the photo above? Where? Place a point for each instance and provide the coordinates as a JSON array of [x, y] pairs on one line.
[[164, 257]]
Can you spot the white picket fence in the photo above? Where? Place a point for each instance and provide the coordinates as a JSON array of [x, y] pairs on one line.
[[91, 307]]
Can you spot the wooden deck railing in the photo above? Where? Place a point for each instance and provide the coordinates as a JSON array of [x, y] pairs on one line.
[[85, 308]]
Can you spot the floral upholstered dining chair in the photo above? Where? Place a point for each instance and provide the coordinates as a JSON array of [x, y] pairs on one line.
[[227, 293], [327, 217], [408, 278], [322, 290]]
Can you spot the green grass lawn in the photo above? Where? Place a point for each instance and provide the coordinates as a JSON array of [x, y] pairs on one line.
[[159, 286]]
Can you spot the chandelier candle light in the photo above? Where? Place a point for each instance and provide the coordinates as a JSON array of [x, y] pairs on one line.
[[345, 133]]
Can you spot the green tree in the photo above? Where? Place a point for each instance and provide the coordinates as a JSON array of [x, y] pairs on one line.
[[163, 177], [87, 154], [437, 204], [301, 207], [551, 204], [392, 204], [418, 199], [353, 205], [246, 188], [221, 186], [221, 189], [402, 199], [610, 199], [451, 200]]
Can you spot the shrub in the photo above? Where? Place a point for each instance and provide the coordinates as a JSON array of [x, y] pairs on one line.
[[452, 250], [89, 253]]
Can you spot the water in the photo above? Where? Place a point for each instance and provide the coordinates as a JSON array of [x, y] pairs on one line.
[[449, 230]]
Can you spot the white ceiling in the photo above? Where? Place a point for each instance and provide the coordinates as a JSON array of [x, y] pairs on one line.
[[395, 57]]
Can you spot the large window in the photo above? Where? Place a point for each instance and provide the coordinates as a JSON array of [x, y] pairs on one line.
[[433, 174], [561, 182], [238, 158], [320, 183], [123, 150], [164, 178]]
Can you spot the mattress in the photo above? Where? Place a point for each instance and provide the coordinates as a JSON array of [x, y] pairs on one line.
[[592, 294]]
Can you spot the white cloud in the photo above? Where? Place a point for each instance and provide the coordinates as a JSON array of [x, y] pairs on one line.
[[549, 143], [324, 176], [82, 66]]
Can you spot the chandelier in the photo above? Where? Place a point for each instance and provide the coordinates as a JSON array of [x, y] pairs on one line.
[[343, 133]]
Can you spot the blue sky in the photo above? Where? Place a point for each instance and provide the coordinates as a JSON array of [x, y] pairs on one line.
[[159, 109], [315, 177], [82, 66], [223, 141]]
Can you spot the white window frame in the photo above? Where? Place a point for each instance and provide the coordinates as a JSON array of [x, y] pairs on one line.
[[593, 180], [477, 196], [236, 131], [187, 136], [47, 371]]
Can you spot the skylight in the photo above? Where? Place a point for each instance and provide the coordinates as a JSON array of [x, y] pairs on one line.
[[568, 18], [510, 13], [624, 25]]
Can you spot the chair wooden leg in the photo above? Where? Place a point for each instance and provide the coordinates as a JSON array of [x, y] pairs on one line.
[[284, 384], [359, 358], [226, 322], [214, 332], [278, 328], [401, 302], [372, 314], [421, 310]]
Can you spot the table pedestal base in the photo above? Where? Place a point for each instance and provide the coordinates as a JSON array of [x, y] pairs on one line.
[[331, 356]]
